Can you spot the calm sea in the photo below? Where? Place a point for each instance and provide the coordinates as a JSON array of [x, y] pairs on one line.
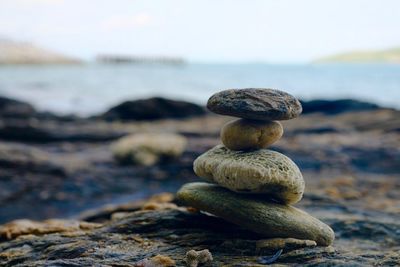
[[92, 88]]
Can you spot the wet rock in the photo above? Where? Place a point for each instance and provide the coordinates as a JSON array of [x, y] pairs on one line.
[[140, 236], [332, 107], [255, 104], [244, 134], [24, 157], [376, 231], [43, 131], [105, 213], [283, 243], [152, 109], [266, 218], [10, 108], [315, 256], [148, 148], [262, 171], [42, 190]]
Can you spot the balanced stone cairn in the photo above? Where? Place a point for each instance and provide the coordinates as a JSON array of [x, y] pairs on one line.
[[254, 187]]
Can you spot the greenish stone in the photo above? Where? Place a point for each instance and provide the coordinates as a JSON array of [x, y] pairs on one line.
[[256, 214]]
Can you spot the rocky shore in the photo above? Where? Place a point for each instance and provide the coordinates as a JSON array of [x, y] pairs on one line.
[[63, 167]]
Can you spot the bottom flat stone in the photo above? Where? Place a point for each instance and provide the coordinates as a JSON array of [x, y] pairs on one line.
[[255, 214]]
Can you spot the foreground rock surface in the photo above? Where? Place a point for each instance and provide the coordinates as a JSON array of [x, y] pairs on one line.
[[167, 235], [263, 171], [257, 215], [351, 162], [255, 104]]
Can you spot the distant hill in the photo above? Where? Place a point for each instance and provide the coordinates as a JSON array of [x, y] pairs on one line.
[[381, 56], [12, 52]]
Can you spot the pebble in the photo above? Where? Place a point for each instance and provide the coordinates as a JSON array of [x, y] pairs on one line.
[[242, 134], [261, 172], [147, 149], [255, 104], [195, 258]]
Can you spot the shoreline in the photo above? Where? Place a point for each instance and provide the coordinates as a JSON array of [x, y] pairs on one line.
[[311, 105], [92, 89]]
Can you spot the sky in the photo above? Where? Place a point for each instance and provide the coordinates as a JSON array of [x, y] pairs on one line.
[[206, 30]]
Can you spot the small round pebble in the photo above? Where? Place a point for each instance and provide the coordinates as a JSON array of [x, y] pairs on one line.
[[242, 134]]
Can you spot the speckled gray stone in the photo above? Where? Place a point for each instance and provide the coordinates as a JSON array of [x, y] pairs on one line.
[[260, 171], [255, 214], [255, 103]]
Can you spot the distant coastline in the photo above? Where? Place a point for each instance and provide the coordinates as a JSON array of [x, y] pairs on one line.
[[17, 53], [25, 53], [377, 56]]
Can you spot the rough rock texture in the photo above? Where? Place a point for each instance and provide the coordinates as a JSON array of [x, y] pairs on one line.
[[255, 103], [284, 243], [257, 215], [17, 228], [261, 171], [148, 148], [152, 109], [167, 236], [244, 134], [193, 258]]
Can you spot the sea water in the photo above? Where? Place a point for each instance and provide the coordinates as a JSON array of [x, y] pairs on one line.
[[92, 88]]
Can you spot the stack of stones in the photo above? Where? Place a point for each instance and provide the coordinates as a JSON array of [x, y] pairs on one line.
[[252, 186]]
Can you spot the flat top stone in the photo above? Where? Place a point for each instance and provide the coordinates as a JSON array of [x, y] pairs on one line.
[[255, 103]]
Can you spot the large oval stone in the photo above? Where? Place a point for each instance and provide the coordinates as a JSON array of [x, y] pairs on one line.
[[257, 215], [260, 171], [242, 134], [255, 103]]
